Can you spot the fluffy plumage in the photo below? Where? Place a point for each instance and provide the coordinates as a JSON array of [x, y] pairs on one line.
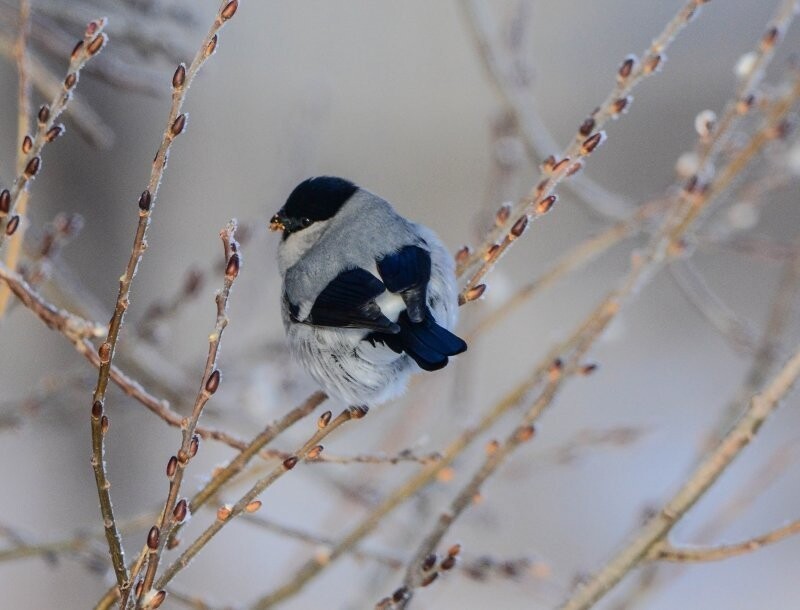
[[368, 297]]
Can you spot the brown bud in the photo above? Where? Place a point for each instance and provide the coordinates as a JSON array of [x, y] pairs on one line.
[[224, 513], [70, 81], [588, 369], [592, 142], [95, 26], [5, 202], [462, 255], [502, 214], [448, 563], [173, 543], [400, 594], [358, 412], [429, 579], [620, 105], [627, 67], [44, 114], [27, 144], [745, 104], [429, 562], [290, 462], [454, 550], [229, 10], [575, 168], [586, 127], [54, 132], [232, 268], [770, 38], [104, 425], [525, 433], [492, 446], [652, 64], [548, 164], [194, 445], [152, 538], [172, 466], [691, 184], [76, 49], [158, 599], [32, 168], [540, 188], [145, 201], [178, 125], [104, 351], [314, 453], [475, 292], [139, 588], [97, 409], [212, 384], [545, 204], [560, 165], [96, 44], [13, 225], [519, 227], [554, 371], [324, 419], [179, 78], [491, 252], [180, 511], [253, 506], [211, 46]]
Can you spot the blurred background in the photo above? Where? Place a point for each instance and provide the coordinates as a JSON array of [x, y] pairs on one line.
[[396, 97]]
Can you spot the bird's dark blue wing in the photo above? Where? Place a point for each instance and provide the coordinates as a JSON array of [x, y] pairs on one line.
[[407, 273], [428, 344], [348, 301]]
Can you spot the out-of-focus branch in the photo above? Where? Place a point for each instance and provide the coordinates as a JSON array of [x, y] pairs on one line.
[[666, 551], [660, 525]]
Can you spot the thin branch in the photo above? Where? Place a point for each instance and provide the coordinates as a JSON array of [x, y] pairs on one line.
[[93, 42], [171, 515], [248, 502], [659, 526], [590, 135], [176, 123], [665, 551]]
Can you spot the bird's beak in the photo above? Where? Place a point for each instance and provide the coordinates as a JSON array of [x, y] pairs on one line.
[[277, 223]]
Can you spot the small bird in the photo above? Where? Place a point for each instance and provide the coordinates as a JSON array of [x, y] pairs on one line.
[[368, 298]]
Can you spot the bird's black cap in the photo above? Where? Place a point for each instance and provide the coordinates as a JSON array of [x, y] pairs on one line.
[[318, 198]]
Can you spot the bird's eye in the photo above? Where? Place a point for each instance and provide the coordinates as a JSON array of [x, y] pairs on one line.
[[305, 222]]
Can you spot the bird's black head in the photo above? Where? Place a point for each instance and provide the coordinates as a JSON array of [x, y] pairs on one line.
[[311, 201]]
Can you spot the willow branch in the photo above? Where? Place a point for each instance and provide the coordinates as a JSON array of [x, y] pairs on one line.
[[48, 130], [248, 502], [659, 526], [173, 513], [590, 135], [665, 551]]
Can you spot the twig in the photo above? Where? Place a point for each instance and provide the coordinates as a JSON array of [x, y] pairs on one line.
[[590, 135], [210, 489], [86, 121], [248, 502], [176, 123], [659, 526], [93, 41], [664, 551], [171, 515], [519, 100]]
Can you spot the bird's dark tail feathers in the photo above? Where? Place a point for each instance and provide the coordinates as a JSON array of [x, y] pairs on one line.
[[427, 343]]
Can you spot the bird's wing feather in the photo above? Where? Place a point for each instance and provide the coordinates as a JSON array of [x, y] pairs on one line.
[[407, 272], [348, 301]]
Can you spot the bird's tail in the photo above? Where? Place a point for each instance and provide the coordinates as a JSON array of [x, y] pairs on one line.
[[427, 343]]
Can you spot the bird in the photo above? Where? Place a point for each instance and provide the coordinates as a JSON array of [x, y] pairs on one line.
[[368, 297]]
